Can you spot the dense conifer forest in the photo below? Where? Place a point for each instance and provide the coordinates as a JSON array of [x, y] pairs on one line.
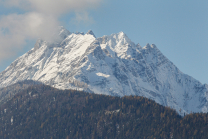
[[43, 112]]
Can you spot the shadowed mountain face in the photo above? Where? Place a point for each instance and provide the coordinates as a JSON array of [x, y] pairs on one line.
[[111, 65]]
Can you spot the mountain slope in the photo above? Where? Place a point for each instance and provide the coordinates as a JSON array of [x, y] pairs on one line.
[[41, 111], [111, 65]]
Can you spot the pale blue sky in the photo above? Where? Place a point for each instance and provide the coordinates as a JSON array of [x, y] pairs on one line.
[[178, 28]]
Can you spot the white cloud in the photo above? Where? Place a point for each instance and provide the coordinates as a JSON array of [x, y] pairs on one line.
[[31, 25], [16, 29], [40, 20], [55, 7]]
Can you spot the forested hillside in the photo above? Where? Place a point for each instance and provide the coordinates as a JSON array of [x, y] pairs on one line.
[[8, 92], [44, 112]]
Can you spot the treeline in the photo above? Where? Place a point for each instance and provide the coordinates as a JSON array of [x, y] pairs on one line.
[[41, 111]]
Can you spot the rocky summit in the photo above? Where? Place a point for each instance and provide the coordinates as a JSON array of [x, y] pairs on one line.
[[111, 65]]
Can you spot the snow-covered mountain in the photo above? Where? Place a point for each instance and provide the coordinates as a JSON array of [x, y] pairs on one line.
[[111, 65]]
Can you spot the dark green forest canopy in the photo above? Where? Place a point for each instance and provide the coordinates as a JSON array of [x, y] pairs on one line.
[[41, 111]]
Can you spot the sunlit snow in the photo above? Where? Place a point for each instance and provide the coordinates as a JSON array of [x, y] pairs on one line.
[[112, 65]]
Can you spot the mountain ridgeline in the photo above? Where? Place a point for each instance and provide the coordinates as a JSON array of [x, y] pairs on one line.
[[42, 111], [111, 65]]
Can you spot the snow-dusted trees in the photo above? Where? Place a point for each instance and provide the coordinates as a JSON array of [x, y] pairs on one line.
[[78, 83]]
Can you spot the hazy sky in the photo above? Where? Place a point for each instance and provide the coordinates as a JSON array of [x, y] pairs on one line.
[[178, 28]]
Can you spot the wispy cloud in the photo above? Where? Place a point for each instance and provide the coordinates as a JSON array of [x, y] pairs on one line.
[[39, 20], [82, 17]]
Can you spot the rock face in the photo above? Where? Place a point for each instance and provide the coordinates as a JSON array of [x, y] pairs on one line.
[[111, 65]]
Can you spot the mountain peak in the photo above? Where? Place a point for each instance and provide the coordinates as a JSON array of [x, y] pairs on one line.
[[122, 35], [147, 46], [63, 33], [38, 44], [90, 32], [111, 65]]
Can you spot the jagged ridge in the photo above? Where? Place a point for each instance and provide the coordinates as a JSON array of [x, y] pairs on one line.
[[112, 65]]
